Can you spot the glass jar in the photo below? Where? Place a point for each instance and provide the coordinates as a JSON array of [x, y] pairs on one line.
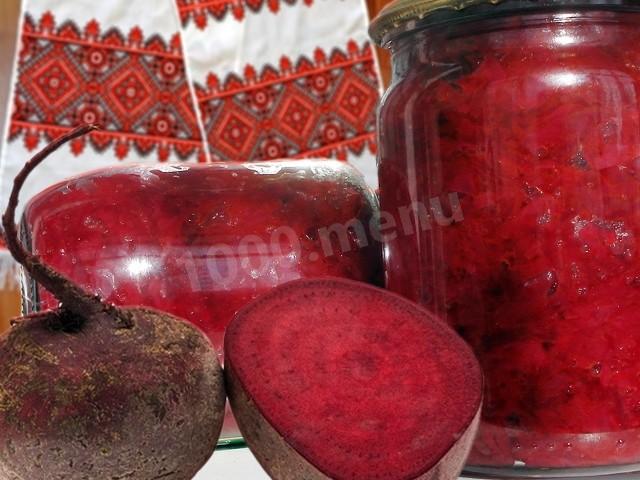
[[201, 241], [509, 161]]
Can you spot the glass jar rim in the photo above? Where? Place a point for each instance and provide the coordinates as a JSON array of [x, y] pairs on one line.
[[402, 16]]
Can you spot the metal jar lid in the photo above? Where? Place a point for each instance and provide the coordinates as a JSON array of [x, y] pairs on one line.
[[405, 15], [401, 12]]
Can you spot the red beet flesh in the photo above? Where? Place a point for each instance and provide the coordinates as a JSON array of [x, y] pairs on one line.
[[332, 378]]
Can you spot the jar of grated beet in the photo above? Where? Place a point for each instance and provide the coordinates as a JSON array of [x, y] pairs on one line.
[[509, 165]]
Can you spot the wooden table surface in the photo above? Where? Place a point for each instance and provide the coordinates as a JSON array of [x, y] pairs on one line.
[[8, 29], [9, 293]]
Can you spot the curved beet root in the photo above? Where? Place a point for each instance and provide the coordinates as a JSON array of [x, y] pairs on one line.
[[92, 391], [336, 379]]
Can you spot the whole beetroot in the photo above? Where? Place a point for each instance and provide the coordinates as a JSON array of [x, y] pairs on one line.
[[92, 391]]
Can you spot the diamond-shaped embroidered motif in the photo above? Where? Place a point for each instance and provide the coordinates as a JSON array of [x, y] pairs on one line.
[[354, 100], [129, 92], [235, 132], [296, 116], [54, 83]]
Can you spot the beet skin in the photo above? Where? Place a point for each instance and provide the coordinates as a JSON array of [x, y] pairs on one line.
[[90, 391], [334, 379], [108, 403]]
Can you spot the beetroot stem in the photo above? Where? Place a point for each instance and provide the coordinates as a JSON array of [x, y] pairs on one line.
[[72, 297]]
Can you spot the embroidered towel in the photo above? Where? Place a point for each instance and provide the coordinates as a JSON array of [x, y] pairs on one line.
[[191, 80]]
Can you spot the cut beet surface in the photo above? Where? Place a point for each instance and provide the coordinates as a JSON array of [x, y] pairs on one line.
[[336, 379]]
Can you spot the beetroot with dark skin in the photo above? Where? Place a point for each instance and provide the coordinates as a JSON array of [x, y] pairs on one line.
[[91, 391], [336, 379]]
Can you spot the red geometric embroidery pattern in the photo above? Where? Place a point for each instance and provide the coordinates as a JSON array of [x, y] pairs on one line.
[[136, 89], [200, 10], [320, 108]]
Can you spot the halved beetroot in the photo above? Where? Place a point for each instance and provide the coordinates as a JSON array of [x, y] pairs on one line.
[[336, 379]]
